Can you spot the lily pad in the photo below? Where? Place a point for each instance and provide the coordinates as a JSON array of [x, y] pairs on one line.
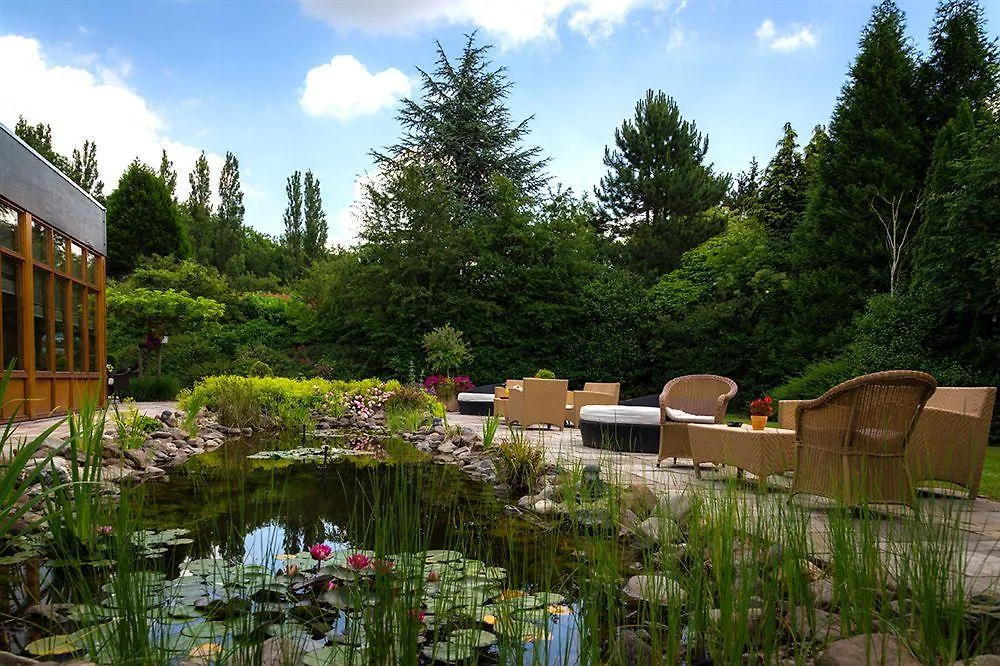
[[449, 652], [52, 646], [474, 637], [442, 556], [335, 655]]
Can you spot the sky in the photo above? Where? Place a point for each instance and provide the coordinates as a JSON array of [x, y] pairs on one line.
[[292, 85]]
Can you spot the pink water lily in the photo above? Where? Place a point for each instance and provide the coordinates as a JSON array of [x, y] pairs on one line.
[[417, 614], [358, 561], [433, 576], [331, 586], [105, 530], [320, 552]]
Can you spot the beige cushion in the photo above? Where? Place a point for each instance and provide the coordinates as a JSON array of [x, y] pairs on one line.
[[681, 416]]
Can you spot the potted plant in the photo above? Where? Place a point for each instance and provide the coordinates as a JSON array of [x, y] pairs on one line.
[[446, 351], [760, 409], [545, 374]]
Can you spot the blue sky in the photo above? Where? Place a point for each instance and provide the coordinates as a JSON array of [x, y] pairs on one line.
[[315, 84]]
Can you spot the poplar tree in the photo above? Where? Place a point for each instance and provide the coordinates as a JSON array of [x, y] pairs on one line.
[[83, 170], [199, 208], [39, 137], [293, 236], [228, 237], [315, 228], [168, 174]]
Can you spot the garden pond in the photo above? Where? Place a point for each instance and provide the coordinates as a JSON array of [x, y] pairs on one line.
[[379, 556]]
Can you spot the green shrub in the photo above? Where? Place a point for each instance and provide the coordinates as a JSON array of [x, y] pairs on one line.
[[446, 350], [545, 374], [260, 369], [519, 462], [817, 379], [131, 426], [238, 402], [409, 397], [164, 387]]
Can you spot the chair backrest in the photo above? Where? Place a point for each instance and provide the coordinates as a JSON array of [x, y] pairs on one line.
[[972, 400], [699, 394], [611, 388], [511, 383], [546, 391], [870, 414]]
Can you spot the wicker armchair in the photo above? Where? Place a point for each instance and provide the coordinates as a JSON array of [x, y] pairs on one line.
[[699, 395], [593, 393], [539, 401], [501, 396], [850, 443], [950, 438]]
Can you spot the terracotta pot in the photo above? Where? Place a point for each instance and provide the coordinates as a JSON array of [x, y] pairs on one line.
[[758, 421]]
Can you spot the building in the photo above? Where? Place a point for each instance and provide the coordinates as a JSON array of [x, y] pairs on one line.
[[53, 244]]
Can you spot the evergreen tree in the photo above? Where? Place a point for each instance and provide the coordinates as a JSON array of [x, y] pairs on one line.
[[743, 196], [294, 234], [869, 170], [657, 187], [39, 137], [462, 124], [315, 228], [83, 170], [228, 238], [141, 220], [813, 157], [783, 192], [199, 208], [963, 64], [169, 175]]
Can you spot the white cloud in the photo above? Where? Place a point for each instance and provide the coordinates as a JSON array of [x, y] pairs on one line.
[[513, 22], [344, 88], [80, 105], [676, 39], [797, 37]]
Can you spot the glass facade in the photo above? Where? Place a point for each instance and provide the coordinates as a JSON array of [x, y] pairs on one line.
[[10, 272]]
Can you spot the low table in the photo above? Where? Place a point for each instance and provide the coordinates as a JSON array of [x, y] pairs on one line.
[[760, 452]]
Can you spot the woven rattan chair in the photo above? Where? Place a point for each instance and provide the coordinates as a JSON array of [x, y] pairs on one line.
[[697, 395], [501, 396], [593, 393], [850, 443], [950, 438], [539, 401]]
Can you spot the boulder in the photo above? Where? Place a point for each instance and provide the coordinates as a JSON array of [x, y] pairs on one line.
[[675, 505], [821, 626], [884, 649], [546, 507], [654, 589], [822, 592], [447, 447], [137, 458], [981, 660], [658, 531]]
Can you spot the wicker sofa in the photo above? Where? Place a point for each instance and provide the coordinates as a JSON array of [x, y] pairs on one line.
[[690, 399], [949, 440]]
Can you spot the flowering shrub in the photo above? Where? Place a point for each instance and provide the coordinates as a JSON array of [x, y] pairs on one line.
[[365, 405], [762, 406], [444, 386]]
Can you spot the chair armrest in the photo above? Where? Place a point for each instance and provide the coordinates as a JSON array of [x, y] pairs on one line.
[[787, 411]]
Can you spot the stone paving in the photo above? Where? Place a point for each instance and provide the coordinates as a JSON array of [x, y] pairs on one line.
[[979, 519]]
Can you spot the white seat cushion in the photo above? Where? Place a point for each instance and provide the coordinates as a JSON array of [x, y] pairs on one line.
[[681, 416], [475, 397], [623, 414]]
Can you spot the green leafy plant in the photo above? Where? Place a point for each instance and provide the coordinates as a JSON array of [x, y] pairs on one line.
[[445, 349], [132, 426], [490, 425], [519, 462], [154, 387], [260, 369], [545, 374]]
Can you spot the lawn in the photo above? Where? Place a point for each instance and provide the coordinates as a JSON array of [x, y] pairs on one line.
[[990, 486]]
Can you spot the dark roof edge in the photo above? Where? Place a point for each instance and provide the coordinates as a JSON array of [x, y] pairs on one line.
[[52, 167]]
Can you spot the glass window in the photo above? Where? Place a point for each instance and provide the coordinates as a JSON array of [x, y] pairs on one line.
[[91, 267], [77, 260], [41, 321], [91, 313], [8, 226], [78, 329], [59, 307], [11, 281], [40, 243], [59, 252]]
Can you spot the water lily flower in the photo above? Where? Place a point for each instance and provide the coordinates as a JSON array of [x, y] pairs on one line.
[[383, 567], [417, 614], [292, 570], [105, 530], [320, 552], [358, 561], [433, 576], [331, 586]]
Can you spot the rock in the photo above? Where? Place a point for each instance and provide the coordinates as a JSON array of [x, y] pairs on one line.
[[247, 432], [884, 649], [753, 619], [447, 447], [152, 471], [655, 589], [111, 451], [981, 660], [527, 502], [633, 647], [822, 592], [138, 458], [8, 659], [546, 507], [462, 452], [658, 531], [824, 626], [53, 613], [675, 505], [161, 434], [440, 429], [640, 499], [115, 473]]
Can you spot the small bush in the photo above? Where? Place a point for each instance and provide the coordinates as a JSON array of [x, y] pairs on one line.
[[260, 369], [149, 388], [545, 374], [408, 397], [817, 379], [445, 349], [519, 462], [131, 426], [237, 402]]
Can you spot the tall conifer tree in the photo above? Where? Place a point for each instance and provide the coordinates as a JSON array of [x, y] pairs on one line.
[[294, 233], [228, 238], [314, 227], [199, 208]]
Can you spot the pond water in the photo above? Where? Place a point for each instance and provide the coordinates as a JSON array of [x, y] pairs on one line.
[[257, 518]]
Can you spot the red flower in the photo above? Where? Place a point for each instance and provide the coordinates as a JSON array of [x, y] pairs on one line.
[[762, 406]]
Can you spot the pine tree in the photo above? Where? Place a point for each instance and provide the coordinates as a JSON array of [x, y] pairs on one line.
[[228, 237], [169, 175], [199, 209], [83, 170], [315, 228], [963, 64], [746, 188], [783, 192], [462, 125], [294, 236], [658, 186], [141, 220]]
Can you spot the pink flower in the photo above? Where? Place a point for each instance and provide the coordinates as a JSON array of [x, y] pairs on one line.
[[358, 561], [331, 586], [105, 530], [417, 614], [320, 552], [383, 567], [433, 576]]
